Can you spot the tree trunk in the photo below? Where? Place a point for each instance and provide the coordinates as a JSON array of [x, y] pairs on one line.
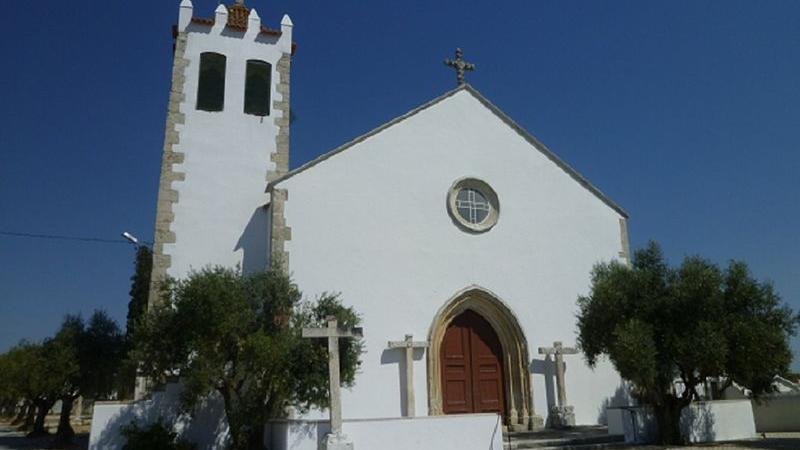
[[244, 436], [22, 413], [27, 414], [42, 408], [255, 438], [234, 424], [65, 433], [668, 418]]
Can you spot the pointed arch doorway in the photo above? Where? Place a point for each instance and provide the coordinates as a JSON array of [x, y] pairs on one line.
[[479, 316], [472, 370]]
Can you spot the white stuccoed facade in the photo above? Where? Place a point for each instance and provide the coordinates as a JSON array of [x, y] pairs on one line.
[[370, 221]]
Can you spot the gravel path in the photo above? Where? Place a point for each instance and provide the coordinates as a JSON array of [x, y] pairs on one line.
[[11, 439], [770, 441], [14, 440]]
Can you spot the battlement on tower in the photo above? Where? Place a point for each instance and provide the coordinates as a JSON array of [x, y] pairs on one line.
[[236, 20]]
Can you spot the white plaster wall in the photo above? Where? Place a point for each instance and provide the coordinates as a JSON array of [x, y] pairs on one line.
[[719, 420], [218, 218], [457, 432], [777, 413], [710, 421], [371, 222], [637, 424], [207, 427]]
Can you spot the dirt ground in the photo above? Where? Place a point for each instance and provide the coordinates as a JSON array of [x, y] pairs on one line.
[[10, 439], [767, 441]]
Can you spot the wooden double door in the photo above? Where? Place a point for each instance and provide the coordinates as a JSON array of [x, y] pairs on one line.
[[472, 368]]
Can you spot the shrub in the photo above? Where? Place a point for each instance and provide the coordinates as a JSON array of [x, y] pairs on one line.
[[157, 436]]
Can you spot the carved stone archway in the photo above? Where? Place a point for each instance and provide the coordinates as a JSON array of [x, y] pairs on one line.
[[519, 414]]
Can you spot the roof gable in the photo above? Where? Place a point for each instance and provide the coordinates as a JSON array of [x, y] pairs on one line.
[[491, 107]]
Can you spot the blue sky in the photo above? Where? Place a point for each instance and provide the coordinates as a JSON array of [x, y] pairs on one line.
[[684, 112]]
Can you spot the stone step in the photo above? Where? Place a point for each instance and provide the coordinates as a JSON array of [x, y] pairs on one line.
[[538, 440], [610, 445]]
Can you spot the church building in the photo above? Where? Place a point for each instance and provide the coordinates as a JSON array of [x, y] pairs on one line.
[[450, 224]]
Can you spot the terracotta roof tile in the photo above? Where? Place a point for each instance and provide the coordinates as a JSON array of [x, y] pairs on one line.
[[209, 21], [202, 21]]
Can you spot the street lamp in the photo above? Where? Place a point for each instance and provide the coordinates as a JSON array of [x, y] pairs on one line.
[[130, 238], [140, 386]]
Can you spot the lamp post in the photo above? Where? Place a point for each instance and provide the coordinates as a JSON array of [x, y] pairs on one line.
[[143, 250]]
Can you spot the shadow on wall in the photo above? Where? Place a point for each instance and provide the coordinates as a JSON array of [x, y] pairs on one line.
[[398, 356], [698, 423], [622, 397], [295, 434], [206, 426], [547, 368], [253, 242]]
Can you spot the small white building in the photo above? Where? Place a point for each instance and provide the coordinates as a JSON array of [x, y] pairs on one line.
[[450, 223]]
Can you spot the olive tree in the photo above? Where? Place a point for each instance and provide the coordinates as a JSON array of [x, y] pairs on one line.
[[91, 353], [659, 324], [239, 336], [33, 371]]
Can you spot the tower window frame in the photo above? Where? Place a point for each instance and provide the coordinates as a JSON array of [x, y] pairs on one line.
[[257, 87], [211, 82]]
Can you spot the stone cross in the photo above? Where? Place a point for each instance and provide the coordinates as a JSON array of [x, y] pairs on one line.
[[460, 65], [558, 351], [408, 345], [333, 333]]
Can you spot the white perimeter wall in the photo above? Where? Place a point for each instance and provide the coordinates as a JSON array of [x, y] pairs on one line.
[[711, 421], [371, 223], [457, 432], [218, 218], [775, 413], [207, 428]]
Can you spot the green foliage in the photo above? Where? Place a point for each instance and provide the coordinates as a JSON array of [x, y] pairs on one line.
[[33, 373], [240, 336], [23, 374], [140, 288], [9, 393], [77, 360], [157, 436], [65, 353], [658, 324], [137, 307], [102, 349], [85, 357]]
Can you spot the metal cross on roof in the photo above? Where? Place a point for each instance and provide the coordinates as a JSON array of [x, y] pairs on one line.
[[460, 65]]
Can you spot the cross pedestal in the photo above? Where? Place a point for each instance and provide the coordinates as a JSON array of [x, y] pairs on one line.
[[408, 345], [335, 440], [561, 415]]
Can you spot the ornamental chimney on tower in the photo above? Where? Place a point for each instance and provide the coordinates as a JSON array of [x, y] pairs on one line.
[[226, 136]]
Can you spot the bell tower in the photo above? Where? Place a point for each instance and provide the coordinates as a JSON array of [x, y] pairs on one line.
[[226, 136]]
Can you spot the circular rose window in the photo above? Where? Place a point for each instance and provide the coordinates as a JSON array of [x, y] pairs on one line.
[[473, 205]]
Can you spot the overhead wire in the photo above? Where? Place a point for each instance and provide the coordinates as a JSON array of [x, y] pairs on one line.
[[64, 237]]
